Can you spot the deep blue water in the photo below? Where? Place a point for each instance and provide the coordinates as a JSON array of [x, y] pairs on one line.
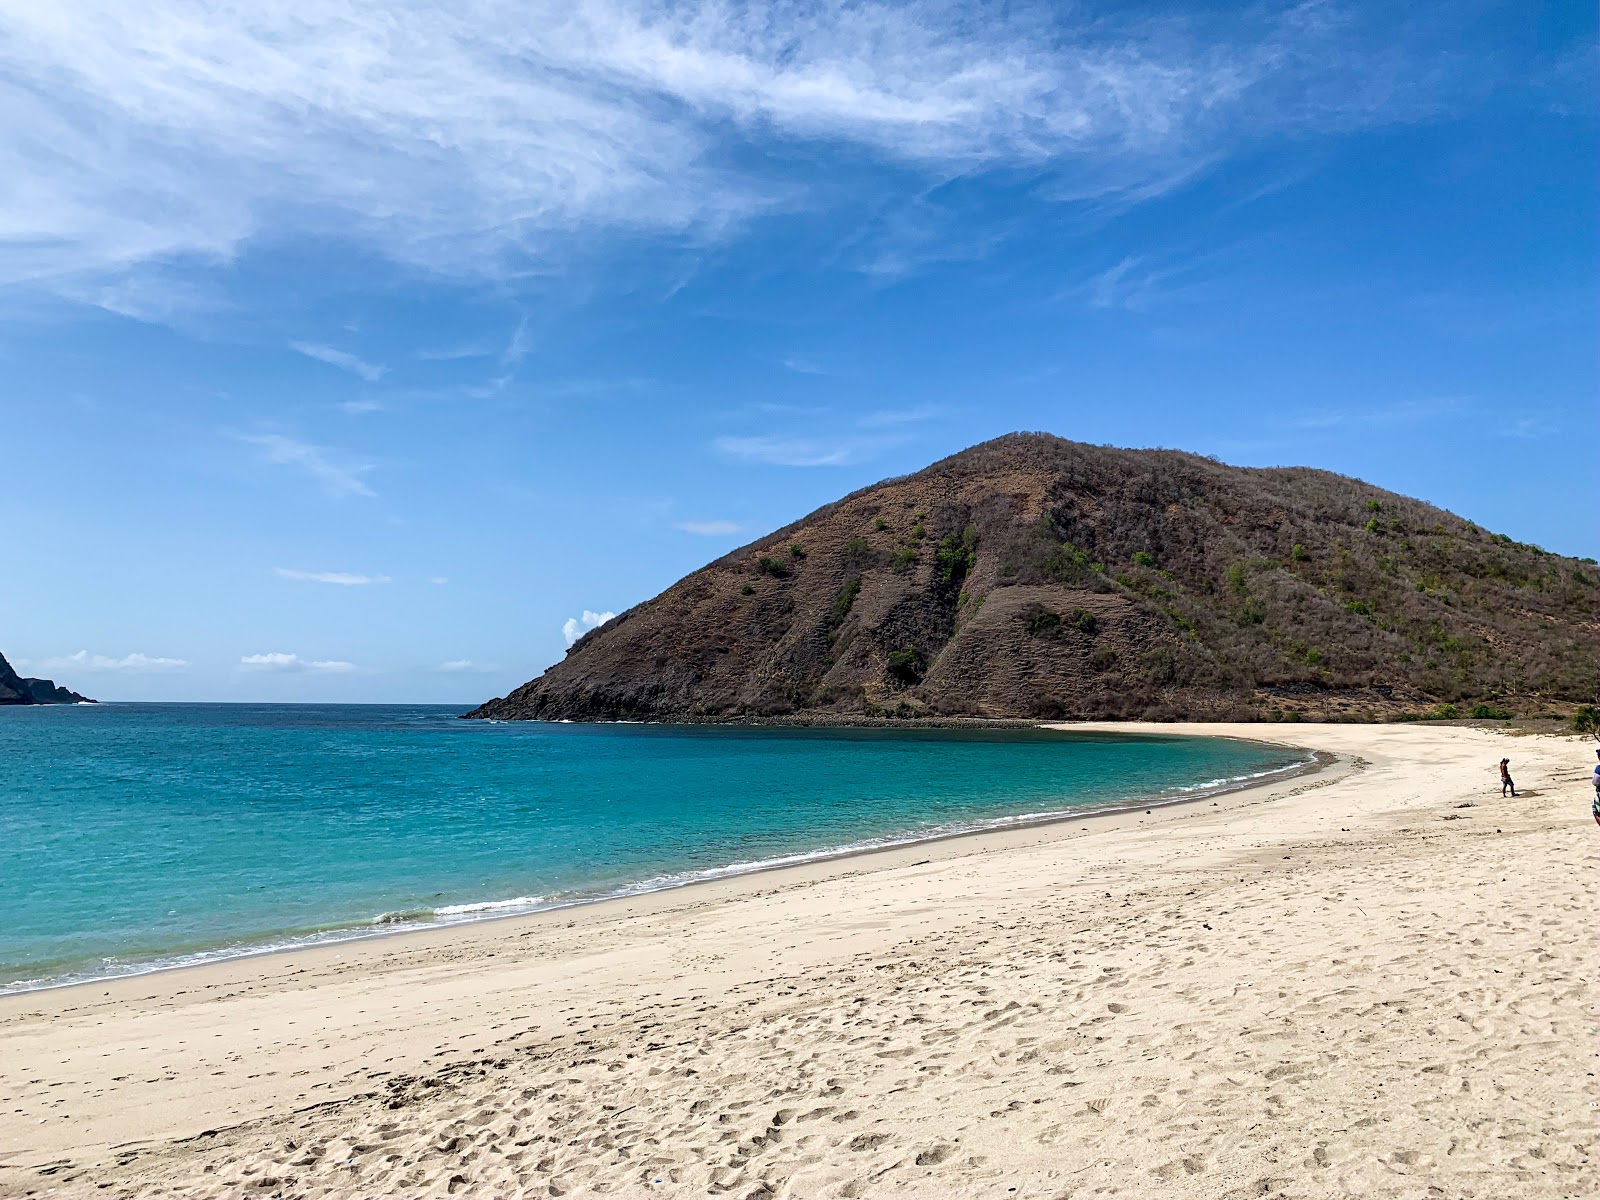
[[134, 835]]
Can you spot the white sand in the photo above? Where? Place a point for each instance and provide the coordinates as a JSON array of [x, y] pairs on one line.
[[1342, 986]]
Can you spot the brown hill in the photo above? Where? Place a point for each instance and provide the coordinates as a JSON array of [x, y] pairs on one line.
[[1036, 577]]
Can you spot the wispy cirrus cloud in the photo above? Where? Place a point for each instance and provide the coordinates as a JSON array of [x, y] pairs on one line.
[[1139, 283], [454, 353], [889, 418], [1406, 411], [279, 661], [709, 528], [337, 479], [1121, 285], [84, 661], [1528, 428], [784, 451], [518, 345], [342, 578], [459, 666], [371, 372], [179, 130]]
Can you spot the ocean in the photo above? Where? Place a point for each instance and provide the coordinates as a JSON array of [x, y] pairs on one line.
[[140, 836]]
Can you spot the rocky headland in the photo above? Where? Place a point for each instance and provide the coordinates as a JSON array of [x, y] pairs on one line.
[[17, 689]]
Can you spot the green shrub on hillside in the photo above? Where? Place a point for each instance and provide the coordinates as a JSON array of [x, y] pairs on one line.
[[773, 567], [906, 665], [843, 602], [1439, 712], [1040, 621], [956, 556]]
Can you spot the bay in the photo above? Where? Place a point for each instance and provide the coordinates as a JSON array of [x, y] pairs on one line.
[[136, 836]]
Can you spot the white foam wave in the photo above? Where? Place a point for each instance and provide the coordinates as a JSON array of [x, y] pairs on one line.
[[486, 906]]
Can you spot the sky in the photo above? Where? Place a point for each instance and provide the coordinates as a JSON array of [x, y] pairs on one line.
[[358, 351]]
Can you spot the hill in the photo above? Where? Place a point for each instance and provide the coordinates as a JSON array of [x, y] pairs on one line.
[[1033, 577], [15, 689]]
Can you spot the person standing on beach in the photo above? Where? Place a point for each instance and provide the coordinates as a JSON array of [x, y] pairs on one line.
[[1596, 809], [1505, 778]]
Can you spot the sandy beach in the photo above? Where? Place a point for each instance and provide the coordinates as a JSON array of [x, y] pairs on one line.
[[1374, 981]]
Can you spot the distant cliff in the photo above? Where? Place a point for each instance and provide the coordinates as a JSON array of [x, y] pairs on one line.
[[1035, 577], [14, 689]]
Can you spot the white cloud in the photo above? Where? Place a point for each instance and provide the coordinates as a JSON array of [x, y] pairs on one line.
[[462, 138], [453, 353], [438, 579], [338, 358], [1529, 428], [279, 662], [293, 662], [802, 451], [314, 460], [518, 346], [890, 417], [1136, 284], [457, 665], [574, 627], [803, 366], [84, 661], [356, 408], [344, 578], [1108, 289], [710, 528]]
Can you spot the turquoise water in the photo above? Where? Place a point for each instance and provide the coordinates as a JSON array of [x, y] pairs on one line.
[[141, 835]]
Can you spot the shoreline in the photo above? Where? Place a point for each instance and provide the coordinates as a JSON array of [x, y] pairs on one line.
[[1369, 981], [384, 925]]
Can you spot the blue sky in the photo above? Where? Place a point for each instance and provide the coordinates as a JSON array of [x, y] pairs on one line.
[[361, 351]]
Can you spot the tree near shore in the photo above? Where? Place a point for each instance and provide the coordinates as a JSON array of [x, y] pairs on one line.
[[1587, 720]]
